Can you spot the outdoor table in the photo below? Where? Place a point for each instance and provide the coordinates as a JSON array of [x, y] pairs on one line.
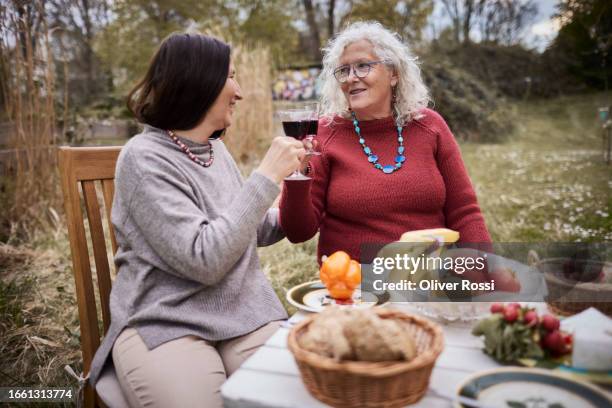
[[270, 377]]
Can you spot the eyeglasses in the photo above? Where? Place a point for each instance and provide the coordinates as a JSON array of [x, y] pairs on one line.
[[361, 70]]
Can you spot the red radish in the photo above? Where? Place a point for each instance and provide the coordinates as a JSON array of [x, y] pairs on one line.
[[550, 322], [497, 308], [568, 338], [531, 318], [514, 305], [511, 314], [554, 341]]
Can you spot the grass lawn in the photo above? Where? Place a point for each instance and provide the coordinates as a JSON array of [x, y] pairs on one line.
[[547, 183], [550, 182]]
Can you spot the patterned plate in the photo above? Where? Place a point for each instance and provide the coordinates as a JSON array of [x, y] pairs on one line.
[[563, 366], [313, 297], [528, 387]]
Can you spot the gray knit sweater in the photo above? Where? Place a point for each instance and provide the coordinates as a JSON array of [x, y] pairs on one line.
[[187, 238]]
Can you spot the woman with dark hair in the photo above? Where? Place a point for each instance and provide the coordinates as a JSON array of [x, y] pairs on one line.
[[190, 302]]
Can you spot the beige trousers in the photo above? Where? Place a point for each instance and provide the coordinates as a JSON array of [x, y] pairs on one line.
[[186, 372]]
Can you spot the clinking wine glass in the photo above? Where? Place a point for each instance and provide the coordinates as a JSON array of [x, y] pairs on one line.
[[301, 123], [312, 125]]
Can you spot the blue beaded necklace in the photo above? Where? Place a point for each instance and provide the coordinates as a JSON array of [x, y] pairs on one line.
[[372, 158]]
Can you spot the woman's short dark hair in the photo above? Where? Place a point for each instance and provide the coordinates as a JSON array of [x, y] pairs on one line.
[[185, 76]]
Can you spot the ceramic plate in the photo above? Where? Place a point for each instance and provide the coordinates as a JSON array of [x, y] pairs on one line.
[[564, 367], [528, 387], [313, 297]]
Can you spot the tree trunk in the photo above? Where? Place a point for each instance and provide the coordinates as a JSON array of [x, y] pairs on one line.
[[88, 52], [330, 18], [467, 20], [452, 9], [315, 38]]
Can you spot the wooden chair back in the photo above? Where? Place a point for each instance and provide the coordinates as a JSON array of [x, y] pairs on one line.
[[88, 166]]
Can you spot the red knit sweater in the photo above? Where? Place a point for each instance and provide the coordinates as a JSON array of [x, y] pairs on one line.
[[351, 203]]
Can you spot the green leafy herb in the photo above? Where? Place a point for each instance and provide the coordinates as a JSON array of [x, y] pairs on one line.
[[508, 342]]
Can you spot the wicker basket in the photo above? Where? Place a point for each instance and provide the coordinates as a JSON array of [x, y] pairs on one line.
[[371, 384], [567, 297]]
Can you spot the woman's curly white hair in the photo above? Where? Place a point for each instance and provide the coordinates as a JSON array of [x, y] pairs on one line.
[[411, 94]]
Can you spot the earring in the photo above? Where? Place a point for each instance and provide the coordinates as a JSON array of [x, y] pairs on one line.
[[393, 97]]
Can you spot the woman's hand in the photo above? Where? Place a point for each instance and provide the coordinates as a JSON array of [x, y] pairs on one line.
[[283, 157]]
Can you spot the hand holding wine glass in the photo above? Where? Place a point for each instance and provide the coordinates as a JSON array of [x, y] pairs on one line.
[[284, 156], [301, 124]]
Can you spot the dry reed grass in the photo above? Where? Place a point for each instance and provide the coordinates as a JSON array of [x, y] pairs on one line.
[[253, 121], [28, 86], [38, 318], [39, 324]]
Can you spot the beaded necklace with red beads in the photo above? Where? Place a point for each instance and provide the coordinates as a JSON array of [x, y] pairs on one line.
[[192, 156]]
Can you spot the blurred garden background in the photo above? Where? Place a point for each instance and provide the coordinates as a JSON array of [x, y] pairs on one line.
[[524, 85]]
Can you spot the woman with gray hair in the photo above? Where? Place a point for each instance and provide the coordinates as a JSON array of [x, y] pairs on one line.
[[388, 164]]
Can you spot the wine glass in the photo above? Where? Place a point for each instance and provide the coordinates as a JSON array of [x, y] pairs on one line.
[[312, 125], [299, 123]]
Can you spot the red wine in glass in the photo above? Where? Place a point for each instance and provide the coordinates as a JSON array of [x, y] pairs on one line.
[[301, 123], [297, 129], [312, 126], [301, 129]]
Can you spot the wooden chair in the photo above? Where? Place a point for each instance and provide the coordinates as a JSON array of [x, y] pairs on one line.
[[87, 166]]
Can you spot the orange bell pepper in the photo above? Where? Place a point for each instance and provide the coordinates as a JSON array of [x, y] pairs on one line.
[[340, 274]]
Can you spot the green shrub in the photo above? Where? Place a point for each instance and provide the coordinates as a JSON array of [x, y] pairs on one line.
[[472, 110], [512, 71]]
